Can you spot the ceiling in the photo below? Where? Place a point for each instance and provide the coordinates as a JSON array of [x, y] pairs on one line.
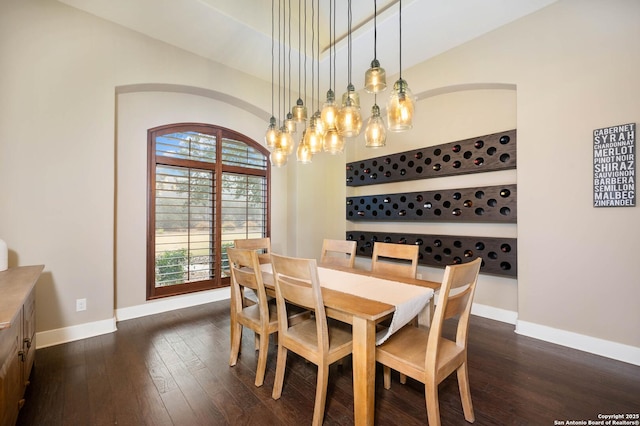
[[238, 32]]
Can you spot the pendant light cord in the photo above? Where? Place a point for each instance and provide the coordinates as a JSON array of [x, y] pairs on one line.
[[400, 20], [313, 55], [375, 30], [349, 41], [279, 52], [318, 52], [335, 53], [331, 4], [272, 51], [299, 50], [289, 56]]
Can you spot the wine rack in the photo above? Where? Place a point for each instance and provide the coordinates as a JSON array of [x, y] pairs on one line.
[[480, 204], [486, 153], [499, 255]]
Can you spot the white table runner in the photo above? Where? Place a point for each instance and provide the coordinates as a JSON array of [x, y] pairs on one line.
[[408, 299]]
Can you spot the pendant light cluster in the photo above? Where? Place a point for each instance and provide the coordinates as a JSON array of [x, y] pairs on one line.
[[329, 126]]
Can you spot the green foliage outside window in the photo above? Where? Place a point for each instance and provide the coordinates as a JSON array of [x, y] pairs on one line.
[[171, 267]]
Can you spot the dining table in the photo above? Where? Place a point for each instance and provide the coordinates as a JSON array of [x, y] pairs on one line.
[[364, 299]]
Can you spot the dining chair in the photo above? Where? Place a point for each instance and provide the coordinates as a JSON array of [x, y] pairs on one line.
[[429, 357], [260, 316], [322, 343], [262, 244], [395, 259], [338, 253]]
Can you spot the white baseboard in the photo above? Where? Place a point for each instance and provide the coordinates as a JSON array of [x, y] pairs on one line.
[[75, 332], [594, 345], [606, 348], [92, 329], [171, 303], [498, 314]]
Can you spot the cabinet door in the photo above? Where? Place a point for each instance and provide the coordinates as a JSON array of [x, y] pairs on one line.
[[29, 335], [10, 374]]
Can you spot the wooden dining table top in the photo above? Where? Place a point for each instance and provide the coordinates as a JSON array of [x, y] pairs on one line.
[[405, 280], [351, 304]]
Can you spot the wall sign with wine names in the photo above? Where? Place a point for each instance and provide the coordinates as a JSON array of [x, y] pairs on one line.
[[614, 166]]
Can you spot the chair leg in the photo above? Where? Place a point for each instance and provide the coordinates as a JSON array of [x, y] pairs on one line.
[[465, 393], [280, 366], [321, 395], [262, 358], [433, 406], [386, 371], [236, 338]]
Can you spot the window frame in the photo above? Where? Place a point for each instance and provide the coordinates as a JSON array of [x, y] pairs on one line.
[[218, 169]]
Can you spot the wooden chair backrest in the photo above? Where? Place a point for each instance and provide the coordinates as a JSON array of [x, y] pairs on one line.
[[245, 272], [296, 281], [463, 279], [261, 244], [395, 259], [338, 252]]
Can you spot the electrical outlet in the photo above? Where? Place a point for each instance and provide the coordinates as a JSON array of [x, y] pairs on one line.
[[81, 305]]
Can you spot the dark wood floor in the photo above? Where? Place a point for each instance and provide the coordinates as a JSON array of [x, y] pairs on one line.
[[172, 369]]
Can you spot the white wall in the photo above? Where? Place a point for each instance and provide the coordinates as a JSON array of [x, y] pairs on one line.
[[574, 69], [58, 140]]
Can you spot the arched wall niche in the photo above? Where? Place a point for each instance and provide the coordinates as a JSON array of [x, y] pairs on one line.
[[198, 91]]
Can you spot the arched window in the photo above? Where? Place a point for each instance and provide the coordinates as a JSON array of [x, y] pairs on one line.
[[207, 186]]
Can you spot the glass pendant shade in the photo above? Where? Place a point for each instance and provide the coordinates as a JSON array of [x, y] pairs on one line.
[[285, 141], [329, 112], [375, 78], [290, 124], [349, 121], [303, 154], [320, 126], [400, 107], [278, 158], [375, 134], [271, 136], [311, 138], [332, 142], [299, 111], [351, 94]]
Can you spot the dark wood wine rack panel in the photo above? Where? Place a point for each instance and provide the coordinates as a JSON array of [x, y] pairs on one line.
[[487, 153], [480, 204], [499, 255]]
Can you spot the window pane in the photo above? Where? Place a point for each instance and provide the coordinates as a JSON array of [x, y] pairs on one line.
[[244, 209], [237, 153], [187, 145], [184, 225]]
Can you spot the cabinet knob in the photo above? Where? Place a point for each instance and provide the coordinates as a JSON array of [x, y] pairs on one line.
[[27, 341], [21, 355]]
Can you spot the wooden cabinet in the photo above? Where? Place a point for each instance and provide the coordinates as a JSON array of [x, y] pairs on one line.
[[17, 337]]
